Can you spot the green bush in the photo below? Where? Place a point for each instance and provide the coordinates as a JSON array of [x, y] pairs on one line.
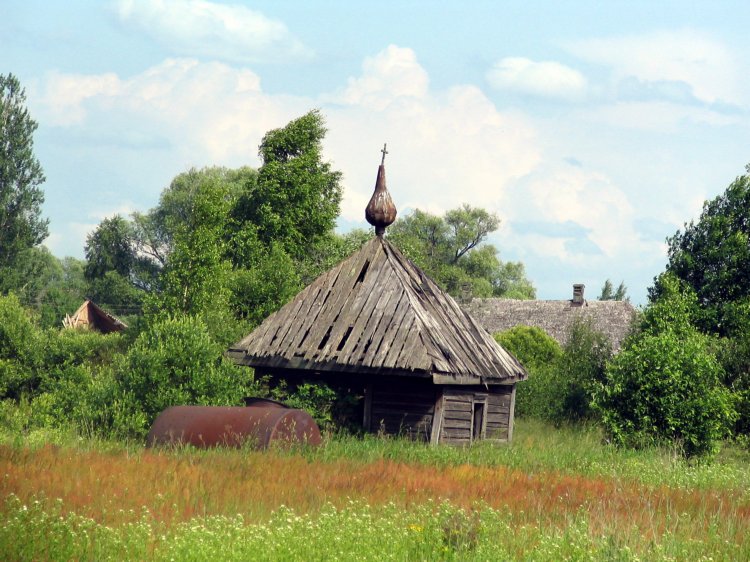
[[532, 346], [81, 346], [175, 362], [580, 370], [734, 357], [665, 385], [666, 388], [316, 398], [561, 380], [539, 353], [21, 350]]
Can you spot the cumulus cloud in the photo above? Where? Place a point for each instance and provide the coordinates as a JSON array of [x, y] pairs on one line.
[[686, 56], [575, 215], [655, 116], [198, 28], [209, 112], [393, 74], [447, 147], [543, 79]]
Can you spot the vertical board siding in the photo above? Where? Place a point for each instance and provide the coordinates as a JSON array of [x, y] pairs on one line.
[[456, 423], [498, 412], [457, 417]]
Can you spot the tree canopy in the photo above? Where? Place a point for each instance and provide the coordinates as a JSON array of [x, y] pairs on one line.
[[21, 223], [452, 249], [296, 197], [609, 293], [665, 385], [712, 257]]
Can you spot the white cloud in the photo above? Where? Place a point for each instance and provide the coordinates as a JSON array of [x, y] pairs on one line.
[[198, 28], [64, 101], [392, 74], [600, 212], [446, 147], [209, 112], [544, 79], [703, 63], [655, 116]]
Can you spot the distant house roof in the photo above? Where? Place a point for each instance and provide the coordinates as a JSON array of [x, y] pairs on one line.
[[377, 313], [613, 318], [90, 315]]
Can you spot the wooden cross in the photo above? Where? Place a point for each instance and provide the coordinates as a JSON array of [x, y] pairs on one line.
[[384, 151]]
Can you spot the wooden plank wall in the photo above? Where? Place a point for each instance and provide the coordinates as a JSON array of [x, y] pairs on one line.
[[499, 412], [404, 410], [458, 405], [457, 417]]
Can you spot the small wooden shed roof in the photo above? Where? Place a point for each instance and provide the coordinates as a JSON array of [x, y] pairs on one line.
[[90, 315], [376, 312]]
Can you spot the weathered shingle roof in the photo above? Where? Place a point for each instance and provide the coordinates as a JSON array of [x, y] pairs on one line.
[[377, 312], [613, 318]]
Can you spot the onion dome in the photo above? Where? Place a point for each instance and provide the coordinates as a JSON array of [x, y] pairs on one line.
[[381, 211]]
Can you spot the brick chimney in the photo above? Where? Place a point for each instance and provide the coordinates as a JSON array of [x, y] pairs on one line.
[[578, 294]]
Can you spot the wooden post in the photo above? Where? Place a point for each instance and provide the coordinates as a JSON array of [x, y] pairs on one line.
[[511, 413], [366, 421], [437, 419]]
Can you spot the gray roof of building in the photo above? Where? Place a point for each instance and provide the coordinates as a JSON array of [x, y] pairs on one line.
[[613, 318]]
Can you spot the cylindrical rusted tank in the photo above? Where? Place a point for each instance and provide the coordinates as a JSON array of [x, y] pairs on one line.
[[211, 426]]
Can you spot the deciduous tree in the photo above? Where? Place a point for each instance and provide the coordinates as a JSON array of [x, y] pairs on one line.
[[452, 249], [712, 257], [609, 293], [297, 195], [21, 198], [665, 385]]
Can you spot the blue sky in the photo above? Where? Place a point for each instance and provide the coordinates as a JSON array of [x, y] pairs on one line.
[[594, 130]]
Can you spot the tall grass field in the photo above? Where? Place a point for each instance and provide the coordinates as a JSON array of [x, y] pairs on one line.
[[554, 494]]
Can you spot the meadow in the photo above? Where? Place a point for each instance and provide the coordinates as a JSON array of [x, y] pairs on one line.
[[554, 494]]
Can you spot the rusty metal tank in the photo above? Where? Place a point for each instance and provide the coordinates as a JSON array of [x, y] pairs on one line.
[[258, 425]]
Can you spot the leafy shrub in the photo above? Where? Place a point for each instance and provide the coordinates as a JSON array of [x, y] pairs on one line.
[[334, 407], [532, 346], [175, 361], [581, 369], [80, 346], [539, 354], [734, 356], [665, 384], [21, 347], [561, 380], [539, 396], [665, 388]]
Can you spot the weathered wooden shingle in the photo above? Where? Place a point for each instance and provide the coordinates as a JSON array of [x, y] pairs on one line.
[[376, 312], [613, 318]]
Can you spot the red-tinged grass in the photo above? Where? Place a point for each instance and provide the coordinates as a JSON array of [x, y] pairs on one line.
[[114, 487]]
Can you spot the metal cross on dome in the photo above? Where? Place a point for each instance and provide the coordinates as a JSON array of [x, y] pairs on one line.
[[384, 151]]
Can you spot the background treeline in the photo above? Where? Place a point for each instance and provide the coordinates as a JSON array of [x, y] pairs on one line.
[[224, 248], [682, 377]]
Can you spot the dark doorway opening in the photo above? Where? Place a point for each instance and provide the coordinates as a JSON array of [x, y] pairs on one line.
[[477, 416]]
